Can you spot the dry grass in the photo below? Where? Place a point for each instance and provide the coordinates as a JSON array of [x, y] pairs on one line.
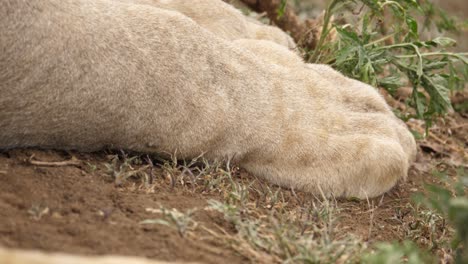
[[269, 224]]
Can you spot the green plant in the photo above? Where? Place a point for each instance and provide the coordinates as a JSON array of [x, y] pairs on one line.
[[37, 211], [122, 169], [389, 253], [383, 47], [429, 228], [282, 8], [303, 234], [183, 222], [450, 200], [90, 167], [445, 200], [197, 173], [434, 16]]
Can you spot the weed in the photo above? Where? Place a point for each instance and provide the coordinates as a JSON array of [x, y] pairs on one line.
[[286, 233], [183, 222], [38, 211], [427, 228], [123, 168], [451, 201], [276, 225], [384, 48], [389, 253], [198, 173], [289, 238], [90, 167]]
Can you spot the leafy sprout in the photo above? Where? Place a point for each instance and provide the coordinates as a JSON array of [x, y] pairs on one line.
[[384, 48]]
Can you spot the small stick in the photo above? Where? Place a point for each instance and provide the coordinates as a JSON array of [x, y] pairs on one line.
[[71, 162], [459, 126], [441, 141], [150, 162]]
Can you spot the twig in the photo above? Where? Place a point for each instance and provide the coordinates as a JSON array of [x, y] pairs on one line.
[[326, 20], [444, 143], [71, 162], [372, 209], [459, 126], [150, 162]]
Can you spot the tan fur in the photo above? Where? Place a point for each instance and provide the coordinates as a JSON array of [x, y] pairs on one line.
[[91, 74], [15, 256], [271, 52], [222, 19]]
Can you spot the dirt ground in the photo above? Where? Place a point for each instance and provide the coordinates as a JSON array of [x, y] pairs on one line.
[[71, 210], [80, 209]]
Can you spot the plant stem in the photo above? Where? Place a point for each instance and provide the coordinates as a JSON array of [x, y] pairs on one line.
[[415, 48], [379, 40], [326, 21], [457, 55]]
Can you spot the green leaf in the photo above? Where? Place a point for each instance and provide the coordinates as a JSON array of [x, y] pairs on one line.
[[435, 65], [344, 54], [444, 41], [412, 26], [419, 98], [436, 86], [281, 9], [348, 35], [390, 82]]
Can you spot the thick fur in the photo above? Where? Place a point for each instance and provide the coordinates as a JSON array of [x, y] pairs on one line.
[[222, 19], [94, 74]]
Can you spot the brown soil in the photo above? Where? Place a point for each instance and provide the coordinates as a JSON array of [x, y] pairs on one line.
[[79, 209], [85, 213]]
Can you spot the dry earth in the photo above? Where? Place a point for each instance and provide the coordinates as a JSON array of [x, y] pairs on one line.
[[78, 207]]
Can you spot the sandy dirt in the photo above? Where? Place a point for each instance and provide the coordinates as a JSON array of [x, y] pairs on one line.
[[71, 210]]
